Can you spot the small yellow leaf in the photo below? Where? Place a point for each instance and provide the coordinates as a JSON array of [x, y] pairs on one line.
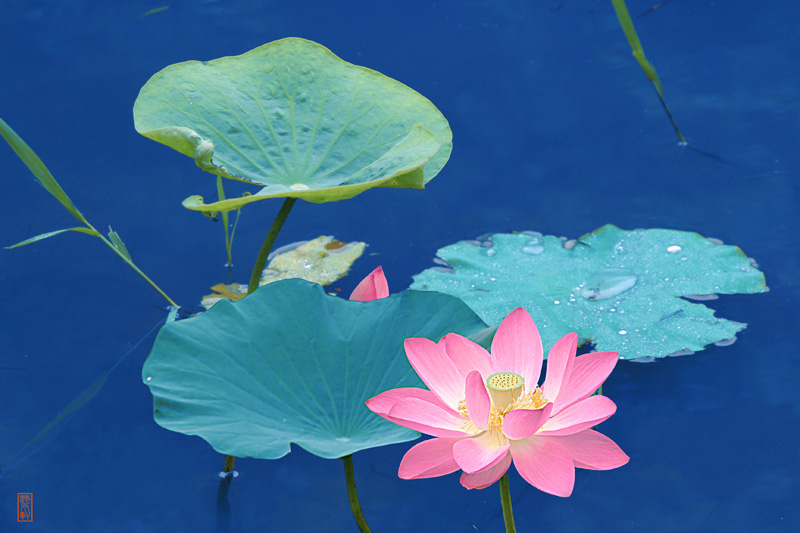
[[322, 260], [233, 292]]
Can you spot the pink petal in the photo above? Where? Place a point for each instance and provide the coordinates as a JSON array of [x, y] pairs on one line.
[[436, 369], [559, 365], [579, 416], [592, 450], [429, 458], [478, 402], [383, 402], [426, 417], [479, 453], [484, 478], [517, 347], [588, 372], [545, 464], [467, 355], [373, 287], [523, 423]]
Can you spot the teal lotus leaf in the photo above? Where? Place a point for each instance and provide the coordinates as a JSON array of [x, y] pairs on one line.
[[621, 290], [290, 363], [297, 120]]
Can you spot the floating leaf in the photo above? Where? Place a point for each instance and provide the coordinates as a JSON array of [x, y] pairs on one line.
[[296, 119], [290, 363], [322, 260], [232, 291], [620, 289]]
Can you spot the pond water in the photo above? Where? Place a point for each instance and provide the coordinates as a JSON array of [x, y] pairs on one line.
[[556, 130]]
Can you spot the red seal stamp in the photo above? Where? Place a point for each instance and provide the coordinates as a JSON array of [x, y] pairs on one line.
[[24, 507]]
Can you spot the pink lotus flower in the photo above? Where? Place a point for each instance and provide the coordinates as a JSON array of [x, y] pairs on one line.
[[485, 409], [373, 287]]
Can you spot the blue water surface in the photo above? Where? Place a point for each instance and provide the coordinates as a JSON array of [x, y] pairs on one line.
[[556, 129]]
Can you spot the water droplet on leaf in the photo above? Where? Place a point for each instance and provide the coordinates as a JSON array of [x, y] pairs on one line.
[[536, 249], [607, 283]]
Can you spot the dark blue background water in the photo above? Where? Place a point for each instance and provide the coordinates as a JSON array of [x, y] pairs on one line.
[[555, 128]]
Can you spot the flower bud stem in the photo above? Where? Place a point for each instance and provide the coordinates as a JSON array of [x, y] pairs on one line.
[[505, 497], [353, 495]]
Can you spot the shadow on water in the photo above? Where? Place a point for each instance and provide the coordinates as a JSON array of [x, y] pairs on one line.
[[223, 524], [48, 433]]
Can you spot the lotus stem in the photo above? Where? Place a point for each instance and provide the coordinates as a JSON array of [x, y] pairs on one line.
[[261, 261], [505, 498], [355, 506], [229, 462]]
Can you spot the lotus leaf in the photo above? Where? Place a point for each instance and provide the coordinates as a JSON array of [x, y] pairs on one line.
[[619, 289], [294, 118], [290, 363]]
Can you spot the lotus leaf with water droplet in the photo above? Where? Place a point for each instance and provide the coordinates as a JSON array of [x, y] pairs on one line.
[[297, 120], [290, 363], [619, 289]]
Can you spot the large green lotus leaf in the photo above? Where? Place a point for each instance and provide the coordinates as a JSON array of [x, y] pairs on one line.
[[290, 363], [619, 289], [296, 119]]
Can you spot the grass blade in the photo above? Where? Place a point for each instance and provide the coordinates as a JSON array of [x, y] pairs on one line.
[[118, 244], [32, 161], [638, 52], [52, 233]]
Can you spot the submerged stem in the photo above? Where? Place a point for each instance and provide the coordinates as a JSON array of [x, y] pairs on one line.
[[269, 240], [355, 506], [505, 498]]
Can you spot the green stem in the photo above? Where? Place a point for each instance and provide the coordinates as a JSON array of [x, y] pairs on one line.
[[505, 497], [353, 495], [130, 264], [229, 462], [225, 219], [261, 261]]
